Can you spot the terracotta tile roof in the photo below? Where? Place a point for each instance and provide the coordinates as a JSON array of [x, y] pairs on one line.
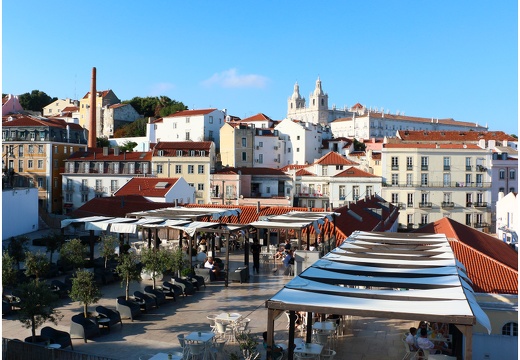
[[432, 146], [257, 117], [170, 148], [358, 106], [490, 263], [96, 154], [191, 112], [354, 172], [251, 171], [357, 153], [145, 186], [293, 167], [70, 109], [333, 158], [101, 93], [342, 119], [117, 206], [448, 121], [474, 136], [118, 106], [376, 156], [303, 172], [28, 120]]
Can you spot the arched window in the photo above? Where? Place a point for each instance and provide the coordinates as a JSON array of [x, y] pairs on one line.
[[510, 329]]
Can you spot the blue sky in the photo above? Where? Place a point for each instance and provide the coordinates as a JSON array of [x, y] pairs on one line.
[[456, 59]]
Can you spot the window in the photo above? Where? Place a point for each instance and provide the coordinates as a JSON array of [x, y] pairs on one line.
[[369, 190], [84, 184], [191, 184], [446, 163], [192, 152], [324, 170], [20, 165], [159, 169], [409, 163], [260, 144], [99, 185], [511, 174], [298, 137], [395, 179], [424, 162], [160, 153], [244, 142], [268, 189], [30, 164], [200, 169], [501, 190], [55, 149], [64, 149], [510, 329], [424, 218], [244, 156], [409, 198], [502, 174], [446, 179], [71, 149], [468, 180], [409, 218], [355, 192], [68, 197], [408, 179], [187, 120], [210, 135], [424, 179], [468, 219], [342, 192], [211, 119], [40, 182], [395, 198], [261, 158], [187, 136], [297, 149], [174, 125], [40, 149], [178, 169], [200, 187], [31, 149], [113, 186], [191, 169], [468, 163], [84, 197], [424, 198], [395, 163], [479, 178]]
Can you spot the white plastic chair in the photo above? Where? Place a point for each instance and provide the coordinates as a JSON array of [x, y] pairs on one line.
[[224, 332], [408, 353], [242, 324], [327, 354], [211, 319], [196, 350]]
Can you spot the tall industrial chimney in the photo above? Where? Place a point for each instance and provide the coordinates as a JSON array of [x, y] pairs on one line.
[[92, 120]]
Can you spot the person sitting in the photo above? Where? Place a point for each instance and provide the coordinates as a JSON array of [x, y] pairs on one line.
[[425, 344], [275, 352], [203, 246], [411, 340], [214, 270]]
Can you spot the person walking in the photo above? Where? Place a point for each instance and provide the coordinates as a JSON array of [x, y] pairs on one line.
[[255, 249]]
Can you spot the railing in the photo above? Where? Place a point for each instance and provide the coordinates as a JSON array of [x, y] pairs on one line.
[[395, 167], [468, 167], [424, 167], [69, 188], [199, 194], [447, 204], [481, 168], [409, 167], [84, 189], [425, 205], [447, 167], [480, 204], [481, 225], [440, 184]]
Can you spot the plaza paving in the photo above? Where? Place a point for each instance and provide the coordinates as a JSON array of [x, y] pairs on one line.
[[157, 330]]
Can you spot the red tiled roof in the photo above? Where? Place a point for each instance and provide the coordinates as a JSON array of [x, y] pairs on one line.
[[70, 108], [333, 158], [293, 167], [354, 172], [491, 264], [101, 93], [440, 135], [170, 148], [28, 120], [257, 117], [191, 112], [97, 154], [358, 106], [376, 156], [303, 172], [432, 146], [448, 121], [146, 187], [117, 206], [251, 171], [118, 106]]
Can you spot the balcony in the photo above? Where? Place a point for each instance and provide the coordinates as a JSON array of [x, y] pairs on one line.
[[447, 167], [342, 197], [440, 184], [409, 167], [481, 168], [84, 189], [395, 167], [401, 206], [69, 188], [447, 204], [468, 167], [424, 205], [313, 195], [424, 167], [481, 225], [480, 204]]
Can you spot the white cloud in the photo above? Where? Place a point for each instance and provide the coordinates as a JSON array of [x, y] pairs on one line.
[[160, 88], [231, 79]]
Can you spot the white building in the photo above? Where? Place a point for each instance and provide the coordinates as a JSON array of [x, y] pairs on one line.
[[508, 218], [56, 107], [19, 211], [303, 141], [165, 190], [189, 125]]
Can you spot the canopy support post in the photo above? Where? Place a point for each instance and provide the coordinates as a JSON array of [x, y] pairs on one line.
[[467, 331], [309, 328], [292, 322]]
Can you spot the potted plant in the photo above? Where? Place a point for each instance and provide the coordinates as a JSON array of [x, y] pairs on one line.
[[84, 289], [128, 270], [108, 247], [37, 305], [154, 261], [248, 346], [36, 264], [74, 252], [176, 261]]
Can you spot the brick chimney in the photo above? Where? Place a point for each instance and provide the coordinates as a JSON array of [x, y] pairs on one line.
[[92, 121]]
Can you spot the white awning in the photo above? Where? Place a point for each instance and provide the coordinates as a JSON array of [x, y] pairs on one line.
[[67, 222], [104, 224]]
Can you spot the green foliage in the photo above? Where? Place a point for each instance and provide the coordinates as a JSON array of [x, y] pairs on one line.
[[359, 146], [514, 135], [172, 108], [102, 142], [35, 100], [17, 248], [84, 289], [128, 270], [108, 247], [155, 261], [134, 129], [37, 305], [8, 270], [74, 252], [128, 146], [176, 261], [53, 241], [248, 346], [36, 264], [155, 106]]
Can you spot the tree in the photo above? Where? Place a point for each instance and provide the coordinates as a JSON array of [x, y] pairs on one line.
[[35, 101], [172, 108], [84, 289], [155, 261], [74, 253], [359, 146], [36, 264], [17, 248], [53, 241], [102, 142], [128, 146], [37, 305], [155, 106], [8, 270], [128, 270], [108, 247], [176, 261]]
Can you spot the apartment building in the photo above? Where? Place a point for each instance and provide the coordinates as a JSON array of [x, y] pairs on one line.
[[192, 160], [432, 181], [100, 172], [104, 98], [56, 107], [508, 218], [189, 125], [303, 141], [164, 190], [37, 148]]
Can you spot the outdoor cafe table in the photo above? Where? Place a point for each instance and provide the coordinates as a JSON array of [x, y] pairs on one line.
[[324, 326], [229, 317], [308, 348], [203, 337], [164, 356]]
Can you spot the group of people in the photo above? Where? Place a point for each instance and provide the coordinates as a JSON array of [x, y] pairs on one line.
[[417, 338]]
